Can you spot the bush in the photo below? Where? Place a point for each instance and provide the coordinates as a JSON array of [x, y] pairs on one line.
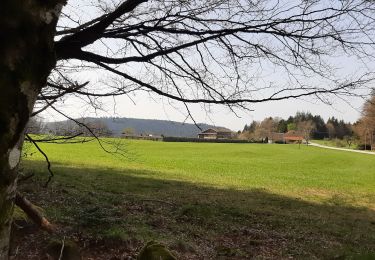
[[340, 143], [362, 147]]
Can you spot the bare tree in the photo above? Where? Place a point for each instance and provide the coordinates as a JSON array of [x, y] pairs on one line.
[[306, 128], [365, 128], [34, 126], [331, 130], [264, 129], [212, 52]]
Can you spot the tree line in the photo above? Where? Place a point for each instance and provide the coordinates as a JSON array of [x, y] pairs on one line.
[[313, 126], [300, 122], [365, 126], [80, 126]]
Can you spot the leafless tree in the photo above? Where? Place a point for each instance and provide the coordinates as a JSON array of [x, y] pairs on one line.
[[211, 52], [265, 129], [306, 128], [365, 127], [331, 130], [34, 126]]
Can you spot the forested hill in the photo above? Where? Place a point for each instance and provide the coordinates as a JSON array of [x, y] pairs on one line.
[[140, 126], [152, 126]]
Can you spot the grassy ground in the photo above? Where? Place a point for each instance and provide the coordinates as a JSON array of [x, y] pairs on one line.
[[210, 201]]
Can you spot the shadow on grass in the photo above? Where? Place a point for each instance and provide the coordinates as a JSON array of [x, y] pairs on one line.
[[198, 222]]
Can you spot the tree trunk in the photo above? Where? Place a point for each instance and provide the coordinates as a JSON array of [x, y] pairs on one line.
[[27, 29]]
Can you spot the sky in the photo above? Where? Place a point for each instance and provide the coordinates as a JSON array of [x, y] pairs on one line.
[[153, 107], [150, 106]]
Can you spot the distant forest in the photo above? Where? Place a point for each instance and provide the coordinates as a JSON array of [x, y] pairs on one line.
[[301, 122], [362, 132]]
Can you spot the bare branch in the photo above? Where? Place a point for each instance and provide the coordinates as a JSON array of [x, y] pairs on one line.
[[45, 157]]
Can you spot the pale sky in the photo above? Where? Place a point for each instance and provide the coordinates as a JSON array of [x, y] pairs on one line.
[[144, 105]]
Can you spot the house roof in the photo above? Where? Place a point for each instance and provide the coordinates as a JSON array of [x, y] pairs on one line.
[[290, 135], [217, 130]]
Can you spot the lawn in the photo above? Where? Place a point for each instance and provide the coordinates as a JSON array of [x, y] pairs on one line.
[[208, 201]]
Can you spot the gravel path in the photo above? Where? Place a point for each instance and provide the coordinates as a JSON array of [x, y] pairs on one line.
[[341, 149]]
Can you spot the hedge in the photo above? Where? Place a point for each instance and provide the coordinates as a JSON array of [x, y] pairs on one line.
[[201, 140]]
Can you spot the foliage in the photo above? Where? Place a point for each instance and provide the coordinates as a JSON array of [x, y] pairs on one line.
[[338, 128], [128, 131], [292, 126], [347, 142], [307, 124], [260, 131], [282, 127], [83, 126]]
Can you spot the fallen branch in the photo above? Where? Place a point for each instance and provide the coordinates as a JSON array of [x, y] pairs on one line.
[[33, 213]]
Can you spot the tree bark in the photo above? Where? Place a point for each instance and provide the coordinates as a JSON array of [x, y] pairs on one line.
[[27, 29], [33, 213]]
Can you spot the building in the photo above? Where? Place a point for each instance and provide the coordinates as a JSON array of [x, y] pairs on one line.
[[216, 133], [293, 136], [289, 137]]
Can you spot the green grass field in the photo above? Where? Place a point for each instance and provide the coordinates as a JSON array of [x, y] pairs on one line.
[[212, 201]]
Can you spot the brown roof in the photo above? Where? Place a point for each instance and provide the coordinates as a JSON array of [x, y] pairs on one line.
[[217, 130]]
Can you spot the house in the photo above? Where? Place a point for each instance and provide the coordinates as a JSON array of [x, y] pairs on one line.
[[293, 136], [289, 137], [216, 133]]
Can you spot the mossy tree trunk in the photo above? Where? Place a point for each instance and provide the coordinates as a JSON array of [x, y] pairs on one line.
[[27, 29]]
